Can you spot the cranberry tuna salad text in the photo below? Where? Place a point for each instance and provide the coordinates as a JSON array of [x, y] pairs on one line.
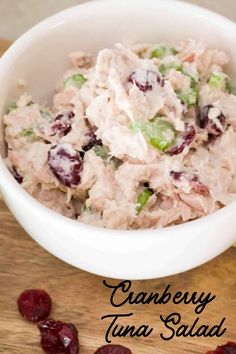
[[138, 137]]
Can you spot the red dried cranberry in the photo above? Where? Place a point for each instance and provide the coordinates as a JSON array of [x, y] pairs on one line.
[[176, 175], [183, 141], [16, 175], [34, 304], [113, 349], [66, 164], [145, 79], [210, 124], [198, 187], [229, 348], [193, 180], [58, 337], [62, 124], [93, 140]]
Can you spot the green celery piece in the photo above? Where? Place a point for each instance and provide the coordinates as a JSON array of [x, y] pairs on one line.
[[11, 107], [86, 209], [45, 114], [26, 132], [30, 103], [158, 52], [75, 80], [220, 81], [217, 80], [160, 133], [143, 199], [228, 86], [101, 151], [189, 97], [174, 51], [163, 51], [165, 68], [135, 126], [194, 81]]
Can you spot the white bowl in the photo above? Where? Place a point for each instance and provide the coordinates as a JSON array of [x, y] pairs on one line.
[[41, 57]]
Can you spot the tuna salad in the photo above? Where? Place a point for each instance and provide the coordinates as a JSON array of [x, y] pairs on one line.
[[137, 137]]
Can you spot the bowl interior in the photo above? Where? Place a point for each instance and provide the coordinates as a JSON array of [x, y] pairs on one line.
[[40, 57]]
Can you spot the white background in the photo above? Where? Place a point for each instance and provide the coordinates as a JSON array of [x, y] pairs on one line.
[[16, 16]]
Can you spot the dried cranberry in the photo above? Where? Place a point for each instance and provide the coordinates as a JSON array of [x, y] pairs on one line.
[[183, 141], [93, 140], [16, 175], [113, 349], [34, 304], [209, 123], [193, 180], [176, 175], [145, 79], [58, 337], [66, 164], [198, 187], [229, 348], [62, 124]]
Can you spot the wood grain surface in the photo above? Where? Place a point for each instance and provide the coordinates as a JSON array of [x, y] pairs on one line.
[[82, 299]]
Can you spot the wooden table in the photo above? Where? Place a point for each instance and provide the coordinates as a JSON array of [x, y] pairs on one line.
[[82, 299]]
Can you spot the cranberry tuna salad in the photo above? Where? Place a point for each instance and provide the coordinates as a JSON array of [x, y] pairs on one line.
[[138, 137]]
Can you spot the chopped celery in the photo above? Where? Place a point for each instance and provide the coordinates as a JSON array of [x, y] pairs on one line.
[[30, 103], [163, 51], [174, 51], [101, 151], [165, 68], [193, 83], [193, 78], [189, 97], [11, 107], [45, 114], [217, 80], [75, 80], [86, 209], [158, 52], [228, 86], [135, 126], [160, 133], [143, 199], [220, 81], [26, 132]]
